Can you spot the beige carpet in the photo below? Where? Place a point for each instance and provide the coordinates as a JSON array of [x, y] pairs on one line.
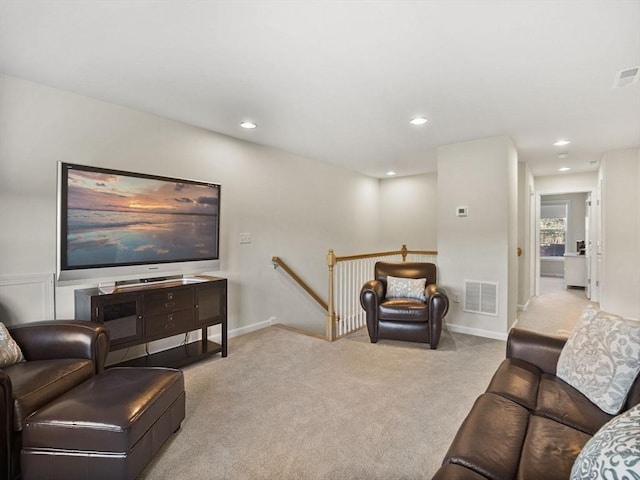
[[287, 406], [556, 310]]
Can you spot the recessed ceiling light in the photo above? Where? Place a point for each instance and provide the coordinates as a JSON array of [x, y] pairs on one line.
[[563, 155], [248, 125], [418, 121], [561, 143], [564, 169], [391, 173]]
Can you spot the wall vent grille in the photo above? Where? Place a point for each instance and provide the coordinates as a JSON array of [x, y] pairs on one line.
[[481, 297], [625, 77]]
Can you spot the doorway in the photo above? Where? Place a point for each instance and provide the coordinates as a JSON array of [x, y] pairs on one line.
[[563, 227]]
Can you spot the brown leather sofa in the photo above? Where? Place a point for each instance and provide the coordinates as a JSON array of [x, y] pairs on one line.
[[59, 355], [529, 424], [407, 319]]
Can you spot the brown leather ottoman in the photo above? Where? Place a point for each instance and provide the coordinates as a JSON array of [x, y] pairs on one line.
[[109, 427]]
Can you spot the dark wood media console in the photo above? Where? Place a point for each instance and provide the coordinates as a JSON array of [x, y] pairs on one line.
[[141, 313]]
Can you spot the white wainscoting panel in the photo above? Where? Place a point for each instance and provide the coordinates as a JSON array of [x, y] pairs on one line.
[[26, 298]]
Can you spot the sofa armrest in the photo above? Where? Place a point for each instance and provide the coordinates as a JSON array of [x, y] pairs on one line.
[[63, 339], [6, 423], [539, 349], [452, 471]]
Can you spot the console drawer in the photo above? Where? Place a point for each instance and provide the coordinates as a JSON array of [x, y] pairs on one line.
[[168, 324], [168, 301]]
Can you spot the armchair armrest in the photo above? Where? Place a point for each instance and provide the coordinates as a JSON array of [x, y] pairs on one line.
[[63, 339], [539, 349], [437, 299], [371, 293]]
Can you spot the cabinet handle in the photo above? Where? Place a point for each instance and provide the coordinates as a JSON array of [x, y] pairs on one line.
[[170, 304], [169, 326]]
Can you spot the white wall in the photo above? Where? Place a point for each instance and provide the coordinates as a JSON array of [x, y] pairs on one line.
[[293, 207], [620, 274], [409, 213], [480, 174], [566, 183]]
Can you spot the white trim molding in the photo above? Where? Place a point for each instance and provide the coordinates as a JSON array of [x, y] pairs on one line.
[[477, 332], [27, 298]]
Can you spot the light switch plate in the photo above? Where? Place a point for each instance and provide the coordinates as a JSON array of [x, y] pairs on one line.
[[245, 238]]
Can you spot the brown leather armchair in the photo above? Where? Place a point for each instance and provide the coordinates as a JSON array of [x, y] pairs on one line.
[[408, 319], [59, 355]]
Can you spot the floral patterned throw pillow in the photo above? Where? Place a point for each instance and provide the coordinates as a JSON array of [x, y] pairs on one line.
[[613, 452], [601, 358], [406, 287], [10, 352]]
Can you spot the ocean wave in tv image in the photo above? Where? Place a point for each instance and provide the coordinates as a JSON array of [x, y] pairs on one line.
[[96, 237]]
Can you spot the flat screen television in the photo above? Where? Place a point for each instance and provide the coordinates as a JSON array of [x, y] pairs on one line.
[[114, 224]]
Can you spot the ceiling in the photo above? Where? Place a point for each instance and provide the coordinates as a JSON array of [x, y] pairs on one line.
[[338, 81]]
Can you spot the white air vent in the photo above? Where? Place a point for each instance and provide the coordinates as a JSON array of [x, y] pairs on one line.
[[625, 77], [481, 297]]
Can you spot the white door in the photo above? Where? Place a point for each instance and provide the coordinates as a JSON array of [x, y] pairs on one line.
[[595, 240], [587, 243]]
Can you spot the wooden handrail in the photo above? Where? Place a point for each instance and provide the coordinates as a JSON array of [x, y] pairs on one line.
[[278, 262], [345, 258], [423, 252], [403, 251]]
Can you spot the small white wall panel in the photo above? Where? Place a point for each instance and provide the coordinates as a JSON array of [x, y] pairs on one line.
[[26, 298]]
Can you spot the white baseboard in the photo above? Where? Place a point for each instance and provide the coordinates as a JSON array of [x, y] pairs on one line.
[[477, 332], [236, 332], [523, 307]]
